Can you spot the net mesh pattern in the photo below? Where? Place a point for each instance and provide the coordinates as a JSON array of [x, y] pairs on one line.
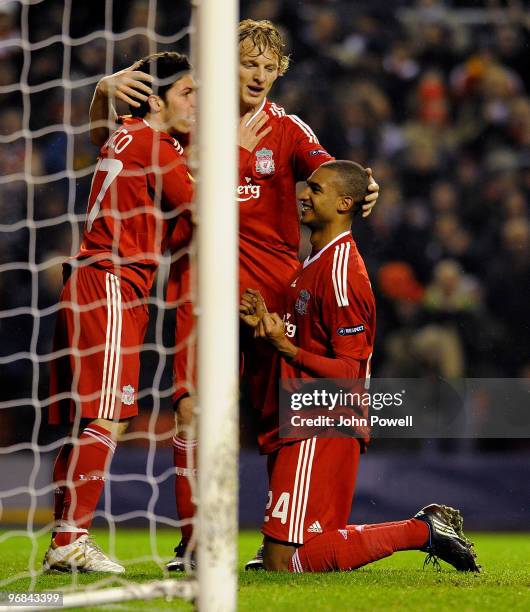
[[53, 54]]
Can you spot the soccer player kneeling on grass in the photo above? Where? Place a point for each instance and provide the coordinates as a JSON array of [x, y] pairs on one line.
[[312, 480], [139, 200]]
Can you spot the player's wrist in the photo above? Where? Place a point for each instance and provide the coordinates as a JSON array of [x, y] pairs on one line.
[[102, 89], [285, 348], [246, 147]]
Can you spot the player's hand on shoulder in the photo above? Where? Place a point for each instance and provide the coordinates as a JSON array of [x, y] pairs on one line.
[[252, 130], [129, 85], [371, 199]]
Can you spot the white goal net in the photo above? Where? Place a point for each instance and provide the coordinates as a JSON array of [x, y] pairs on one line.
[[53, 54]]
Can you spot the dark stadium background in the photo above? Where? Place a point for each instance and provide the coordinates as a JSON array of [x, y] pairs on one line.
[[434, 96]]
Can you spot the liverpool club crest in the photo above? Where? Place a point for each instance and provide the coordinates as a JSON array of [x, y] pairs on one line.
[[264, 161], [302, 302], [127, 395]]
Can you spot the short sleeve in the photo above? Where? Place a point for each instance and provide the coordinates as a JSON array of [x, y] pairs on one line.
[[177, 183], [308, 153], [348, 308]]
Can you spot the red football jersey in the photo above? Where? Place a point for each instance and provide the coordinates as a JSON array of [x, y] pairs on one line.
[[329, 315], [269, 222], [269, 226], [140, 186]]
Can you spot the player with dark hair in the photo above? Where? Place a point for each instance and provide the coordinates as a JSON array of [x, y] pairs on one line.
[[276, 150], [138, 205], [311, 481]]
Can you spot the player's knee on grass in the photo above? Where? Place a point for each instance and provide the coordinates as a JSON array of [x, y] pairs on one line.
[[184, 417], [276, 556]]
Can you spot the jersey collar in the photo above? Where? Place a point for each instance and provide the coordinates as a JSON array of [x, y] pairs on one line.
[[310, 260], [257, 112], [172, 138]]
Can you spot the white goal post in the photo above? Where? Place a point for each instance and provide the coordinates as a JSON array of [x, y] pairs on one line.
[[217, 300]]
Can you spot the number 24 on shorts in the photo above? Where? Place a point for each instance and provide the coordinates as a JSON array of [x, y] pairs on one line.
[[281, 508]]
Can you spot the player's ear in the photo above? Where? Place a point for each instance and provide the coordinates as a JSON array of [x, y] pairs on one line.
[[154, 103], [345, 204]]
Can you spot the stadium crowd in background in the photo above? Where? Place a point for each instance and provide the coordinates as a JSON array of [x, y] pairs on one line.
[[435, 100]]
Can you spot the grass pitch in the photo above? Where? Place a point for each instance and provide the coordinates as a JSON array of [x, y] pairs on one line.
[[395, 583]]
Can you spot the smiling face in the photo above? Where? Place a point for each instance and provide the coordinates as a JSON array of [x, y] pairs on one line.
[[178, 109], [320, 199], [257, 72]]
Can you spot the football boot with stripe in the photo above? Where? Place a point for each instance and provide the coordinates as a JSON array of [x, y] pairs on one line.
[[446, 539], [82, 555]]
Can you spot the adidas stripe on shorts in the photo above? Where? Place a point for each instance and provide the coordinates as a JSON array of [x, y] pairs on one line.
[[311, 486], [100, 328]]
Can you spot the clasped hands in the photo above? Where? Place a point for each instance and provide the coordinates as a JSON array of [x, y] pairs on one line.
[[253, 312]]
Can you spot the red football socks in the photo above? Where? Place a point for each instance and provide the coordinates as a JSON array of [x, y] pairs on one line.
[[357, 545], [183, 493], [87, 466]]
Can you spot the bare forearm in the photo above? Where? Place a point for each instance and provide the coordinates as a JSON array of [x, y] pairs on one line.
[[101, 114], [286, 348]]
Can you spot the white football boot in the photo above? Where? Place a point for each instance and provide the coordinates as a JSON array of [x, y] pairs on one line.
[[82, 555]]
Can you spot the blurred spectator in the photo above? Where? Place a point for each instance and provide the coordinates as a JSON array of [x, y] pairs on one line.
[[136, 45], [9, 30], [509, 294], [453, 302], [400, 314], [451, 291]]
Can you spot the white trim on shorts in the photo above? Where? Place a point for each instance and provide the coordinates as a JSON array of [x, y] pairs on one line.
[[111, 364], [302, 481]]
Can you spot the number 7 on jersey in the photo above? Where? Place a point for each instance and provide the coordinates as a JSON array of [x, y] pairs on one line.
[[112, 167]]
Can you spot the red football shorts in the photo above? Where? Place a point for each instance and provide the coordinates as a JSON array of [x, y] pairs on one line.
[[311, 488], [100, 328], [184, 362], [179, 293]]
